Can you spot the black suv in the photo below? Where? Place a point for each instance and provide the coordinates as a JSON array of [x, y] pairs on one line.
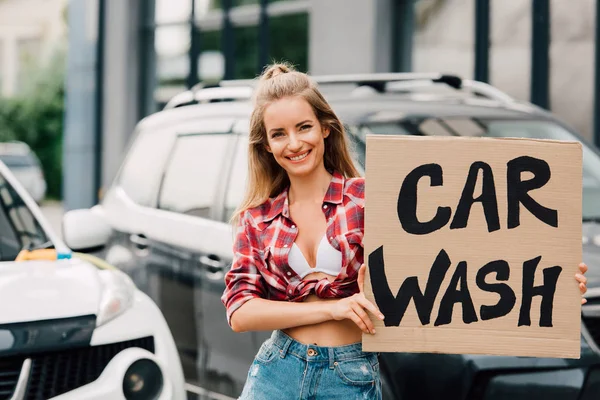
[[185, 173]]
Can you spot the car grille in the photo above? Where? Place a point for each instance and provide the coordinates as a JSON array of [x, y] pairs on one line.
[[10, 368], [55, 373]]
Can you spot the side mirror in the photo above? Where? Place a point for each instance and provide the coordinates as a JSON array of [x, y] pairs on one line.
[[85, 230]]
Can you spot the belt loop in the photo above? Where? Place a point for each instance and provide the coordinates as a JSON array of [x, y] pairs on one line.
[[331, 357], [286, 346]]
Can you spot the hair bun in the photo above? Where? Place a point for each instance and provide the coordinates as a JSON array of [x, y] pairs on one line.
[[275, 70]]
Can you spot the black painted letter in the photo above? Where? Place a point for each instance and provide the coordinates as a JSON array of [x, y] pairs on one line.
[[546, 291], [394, 307], [507, 295], [407, 201], [453, 295], [487, 198], [517, 190]]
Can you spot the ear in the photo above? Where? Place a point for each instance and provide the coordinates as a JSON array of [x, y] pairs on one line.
[[268, 148], [326, 131]]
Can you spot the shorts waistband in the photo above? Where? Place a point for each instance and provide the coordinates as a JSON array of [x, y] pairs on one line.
[[288, 345]]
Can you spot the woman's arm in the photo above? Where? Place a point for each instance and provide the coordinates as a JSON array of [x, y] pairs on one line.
[[262, 315], [266, 315]]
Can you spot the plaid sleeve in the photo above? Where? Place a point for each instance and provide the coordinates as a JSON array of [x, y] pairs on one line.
[[244, 281]]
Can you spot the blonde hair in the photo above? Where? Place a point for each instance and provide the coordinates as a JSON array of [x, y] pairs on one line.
[[266, 178]]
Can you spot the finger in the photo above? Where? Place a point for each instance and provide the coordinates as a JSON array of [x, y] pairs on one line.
[[582, 288], [580, 278], [583, 301], [361, 278], [358, 310], [358, 321], [583, 268], [365, 303]]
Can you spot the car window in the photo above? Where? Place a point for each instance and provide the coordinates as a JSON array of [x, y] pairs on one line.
[[18, 160], [547, 130], [143, 166], [193, 173], [18, 227], [358, 138], [238, 178]]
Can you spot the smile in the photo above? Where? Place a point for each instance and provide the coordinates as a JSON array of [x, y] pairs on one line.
[[299, 157]]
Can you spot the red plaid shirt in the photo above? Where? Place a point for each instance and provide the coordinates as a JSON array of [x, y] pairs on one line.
[[266, 234]]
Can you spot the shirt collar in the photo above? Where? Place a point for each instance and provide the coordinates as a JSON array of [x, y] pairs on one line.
[[334, 195]]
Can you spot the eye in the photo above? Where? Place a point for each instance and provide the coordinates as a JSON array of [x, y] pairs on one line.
[[305, 127], [276, 134]]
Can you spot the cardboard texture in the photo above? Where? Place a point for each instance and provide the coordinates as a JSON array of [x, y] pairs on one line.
[[489, 230]]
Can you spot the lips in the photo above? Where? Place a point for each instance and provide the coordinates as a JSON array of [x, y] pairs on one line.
[[299, 157]]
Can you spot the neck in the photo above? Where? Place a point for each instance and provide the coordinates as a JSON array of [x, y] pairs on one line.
[[310, 188]]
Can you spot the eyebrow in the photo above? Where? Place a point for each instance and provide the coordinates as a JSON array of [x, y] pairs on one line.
[[297, 125]]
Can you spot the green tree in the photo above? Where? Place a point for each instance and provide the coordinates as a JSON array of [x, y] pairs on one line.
[[35, 116]]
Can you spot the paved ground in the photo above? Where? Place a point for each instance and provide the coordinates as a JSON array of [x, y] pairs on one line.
[[53, 211]]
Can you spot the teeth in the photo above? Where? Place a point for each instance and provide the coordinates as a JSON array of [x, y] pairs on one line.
[[299, 157]]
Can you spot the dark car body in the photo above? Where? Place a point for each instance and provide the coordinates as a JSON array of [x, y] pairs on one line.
[[184, 175]]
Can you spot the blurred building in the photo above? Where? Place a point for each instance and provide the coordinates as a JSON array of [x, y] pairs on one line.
[[128, 57], [30, 30]]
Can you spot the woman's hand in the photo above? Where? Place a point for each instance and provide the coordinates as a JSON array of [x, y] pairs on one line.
[[582, 281], [354, 307]]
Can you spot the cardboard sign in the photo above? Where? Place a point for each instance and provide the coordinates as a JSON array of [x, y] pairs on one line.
[[472, 245]]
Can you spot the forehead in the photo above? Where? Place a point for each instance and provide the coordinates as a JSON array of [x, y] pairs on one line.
[[287, 112]]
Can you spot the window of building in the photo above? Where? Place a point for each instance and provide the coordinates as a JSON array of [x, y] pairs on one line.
[[192, 43], [1, 67], [193, 174], [172, 11], [293, 45], [29, 53], [172, 46], [246, 52]]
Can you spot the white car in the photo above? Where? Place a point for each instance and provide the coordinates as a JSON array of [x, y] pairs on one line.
[[71, 326], [26, 167]]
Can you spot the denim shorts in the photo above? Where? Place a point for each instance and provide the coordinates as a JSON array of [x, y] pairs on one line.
[[287, 369]]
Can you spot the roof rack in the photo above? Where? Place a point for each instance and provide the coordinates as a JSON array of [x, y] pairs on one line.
[[241, 89], [200, 94]]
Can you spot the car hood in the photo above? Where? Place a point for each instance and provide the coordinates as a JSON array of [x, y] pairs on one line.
[[39, 290]]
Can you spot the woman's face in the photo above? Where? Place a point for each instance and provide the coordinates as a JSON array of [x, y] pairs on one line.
[[295, 136]]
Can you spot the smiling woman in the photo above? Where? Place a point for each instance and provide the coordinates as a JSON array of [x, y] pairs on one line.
[[302, 275]]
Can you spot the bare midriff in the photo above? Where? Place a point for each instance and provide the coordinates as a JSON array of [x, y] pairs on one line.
[[329, 333]]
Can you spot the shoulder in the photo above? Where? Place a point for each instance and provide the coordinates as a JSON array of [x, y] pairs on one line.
[[354, 189], [256, 216]]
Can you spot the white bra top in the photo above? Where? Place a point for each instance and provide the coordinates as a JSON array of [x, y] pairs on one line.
[[329, 260]]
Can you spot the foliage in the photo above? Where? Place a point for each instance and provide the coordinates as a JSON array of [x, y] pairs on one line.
[[35, 116]]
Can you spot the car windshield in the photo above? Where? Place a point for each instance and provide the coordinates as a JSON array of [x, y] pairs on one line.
[[18, 160], [500, 128], [19, 228]]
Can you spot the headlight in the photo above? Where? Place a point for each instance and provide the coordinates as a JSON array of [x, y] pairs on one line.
[[143, 380], [117, 295]]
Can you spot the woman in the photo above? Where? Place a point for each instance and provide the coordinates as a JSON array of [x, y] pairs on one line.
[[298, 264]]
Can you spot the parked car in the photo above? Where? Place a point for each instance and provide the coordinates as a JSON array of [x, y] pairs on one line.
[[71, 326], [186, 171], [25, 166]]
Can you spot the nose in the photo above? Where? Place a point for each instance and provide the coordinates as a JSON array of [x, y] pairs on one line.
[[294, 144]]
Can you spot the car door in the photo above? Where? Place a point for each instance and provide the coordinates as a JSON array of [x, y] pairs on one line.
[[183, 247], [125, 203]]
